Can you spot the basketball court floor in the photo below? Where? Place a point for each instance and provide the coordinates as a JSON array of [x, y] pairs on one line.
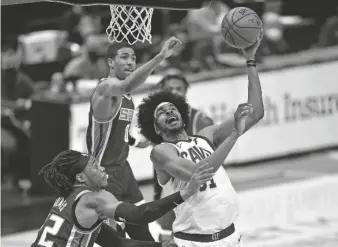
[[323, 233]]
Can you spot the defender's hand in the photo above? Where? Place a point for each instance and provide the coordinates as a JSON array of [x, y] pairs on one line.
[[169, 46], [242, 112], [202, 174]]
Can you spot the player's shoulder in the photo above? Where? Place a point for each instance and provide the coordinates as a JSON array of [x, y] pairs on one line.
[[204, 140], [93, 199], [162, 151]]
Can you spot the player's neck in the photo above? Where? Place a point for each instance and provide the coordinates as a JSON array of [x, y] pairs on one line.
[[82, 186], [113, 74], [183, 136]]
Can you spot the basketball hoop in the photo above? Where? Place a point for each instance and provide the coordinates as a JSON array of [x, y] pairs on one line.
[[130, 19], [130, 23]]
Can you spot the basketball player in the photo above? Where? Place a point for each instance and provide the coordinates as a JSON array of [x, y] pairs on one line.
[[76, 217], [178, 84], [110, 116], [207, 217]]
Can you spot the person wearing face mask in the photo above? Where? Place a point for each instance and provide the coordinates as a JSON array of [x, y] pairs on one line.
[[90, 65]]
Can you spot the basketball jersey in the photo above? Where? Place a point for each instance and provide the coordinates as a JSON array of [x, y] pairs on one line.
[[108, 141], [215, 206], [61, 228]]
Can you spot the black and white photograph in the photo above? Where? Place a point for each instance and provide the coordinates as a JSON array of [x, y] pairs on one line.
[[169, 123]]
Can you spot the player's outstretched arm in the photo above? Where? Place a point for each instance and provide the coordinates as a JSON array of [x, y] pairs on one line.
[[218, 133], [104, 203], [255, 98], [106, 92], [165, 156]]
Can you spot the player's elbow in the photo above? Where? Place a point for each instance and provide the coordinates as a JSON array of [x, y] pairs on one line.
[[257, 115], [260, 115]]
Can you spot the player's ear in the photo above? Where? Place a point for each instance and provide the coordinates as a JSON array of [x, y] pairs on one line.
[[80, 177], [111, 62], [156, 129]]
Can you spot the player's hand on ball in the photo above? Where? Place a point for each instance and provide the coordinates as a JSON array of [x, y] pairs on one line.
[[202, 174], [250, 51], [241, 114], [169, 46], [169, 244]]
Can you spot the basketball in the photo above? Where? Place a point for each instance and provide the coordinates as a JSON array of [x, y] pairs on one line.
[[241, 27]]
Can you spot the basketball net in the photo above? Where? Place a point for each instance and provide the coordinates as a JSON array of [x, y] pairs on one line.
[[129, 23]]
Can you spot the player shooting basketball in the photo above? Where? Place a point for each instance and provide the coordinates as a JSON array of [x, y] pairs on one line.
[[110, 116], [177, 83], [209, 215]]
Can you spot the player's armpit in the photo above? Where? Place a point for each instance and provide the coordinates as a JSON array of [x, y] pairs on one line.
[[103, 202], [166, 158]]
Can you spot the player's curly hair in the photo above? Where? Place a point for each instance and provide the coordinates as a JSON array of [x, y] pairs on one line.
[[60, 174], [146, 118]]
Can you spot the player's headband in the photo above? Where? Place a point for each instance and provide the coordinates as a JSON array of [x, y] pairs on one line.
[[159, 106]]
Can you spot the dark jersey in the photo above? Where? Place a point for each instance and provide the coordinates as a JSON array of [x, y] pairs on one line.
[[198, 120], [108, 141], [61, 228]]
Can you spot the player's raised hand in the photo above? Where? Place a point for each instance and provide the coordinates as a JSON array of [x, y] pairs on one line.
[[202, 174], [169, 46], [250, 51], [242, 112]]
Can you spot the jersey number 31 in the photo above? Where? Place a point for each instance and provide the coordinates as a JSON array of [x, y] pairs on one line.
[[211, 185]]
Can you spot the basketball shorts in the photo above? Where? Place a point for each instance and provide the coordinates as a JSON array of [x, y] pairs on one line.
[[234, 240], [123, 185]]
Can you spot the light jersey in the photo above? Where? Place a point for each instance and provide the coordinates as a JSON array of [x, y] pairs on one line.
[[215, 206]]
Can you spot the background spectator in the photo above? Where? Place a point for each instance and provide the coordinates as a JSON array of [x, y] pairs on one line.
[[91, 64]]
